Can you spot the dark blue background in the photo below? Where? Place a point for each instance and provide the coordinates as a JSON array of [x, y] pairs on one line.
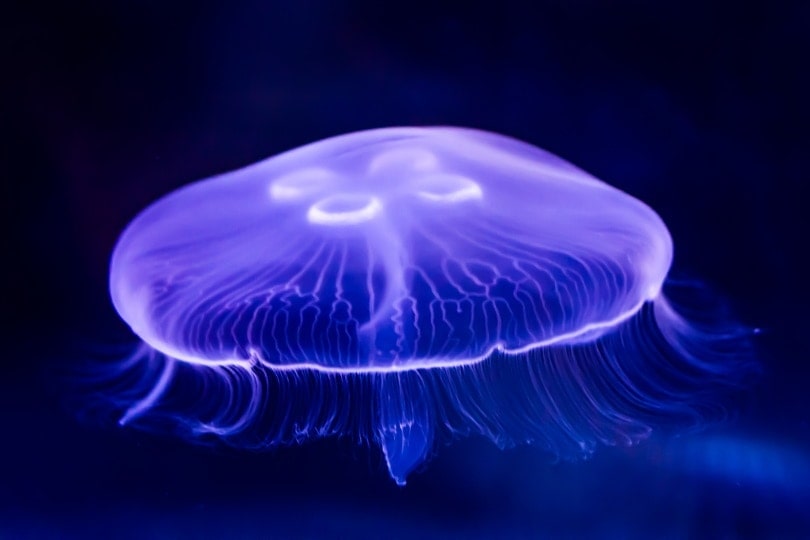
[[698, 108]]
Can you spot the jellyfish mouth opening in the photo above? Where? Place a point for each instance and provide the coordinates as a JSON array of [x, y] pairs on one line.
[[344, 209]]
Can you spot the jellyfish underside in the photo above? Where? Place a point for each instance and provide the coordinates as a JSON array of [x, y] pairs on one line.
[[403, 286]]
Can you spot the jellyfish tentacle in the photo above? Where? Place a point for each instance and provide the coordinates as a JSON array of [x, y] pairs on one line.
[[144, 404]]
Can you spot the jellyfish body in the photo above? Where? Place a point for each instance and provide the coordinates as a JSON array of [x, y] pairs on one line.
[[403, 285]]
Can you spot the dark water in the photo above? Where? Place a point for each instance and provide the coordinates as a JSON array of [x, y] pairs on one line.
[[698, 108]]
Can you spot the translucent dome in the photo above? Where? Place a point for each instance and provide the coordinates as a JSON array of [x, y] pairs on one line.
[[388, 249]]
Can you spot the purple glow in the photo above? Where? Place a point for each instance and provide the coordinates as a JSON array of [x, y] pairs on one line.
[[404, 283]]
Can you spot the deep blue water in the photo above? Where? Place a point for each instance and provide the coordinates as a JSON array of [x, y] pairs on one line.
[[697, 108]]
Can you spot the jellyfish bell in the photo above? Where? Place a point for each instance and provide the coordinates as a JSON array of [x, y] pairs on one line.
[[404, 284], [443, 243]]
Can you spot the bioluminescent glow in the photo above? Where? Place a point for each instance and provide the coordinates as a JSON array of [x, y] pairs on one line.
[[401, 286]]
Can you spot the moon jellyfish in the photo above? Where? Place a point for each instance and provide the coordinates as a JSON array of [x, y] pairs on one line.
[[404, 286]]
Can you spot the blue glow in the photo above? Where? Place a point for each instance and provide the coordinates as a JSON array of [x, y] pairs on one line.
[[745, 461], [406, 285]]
